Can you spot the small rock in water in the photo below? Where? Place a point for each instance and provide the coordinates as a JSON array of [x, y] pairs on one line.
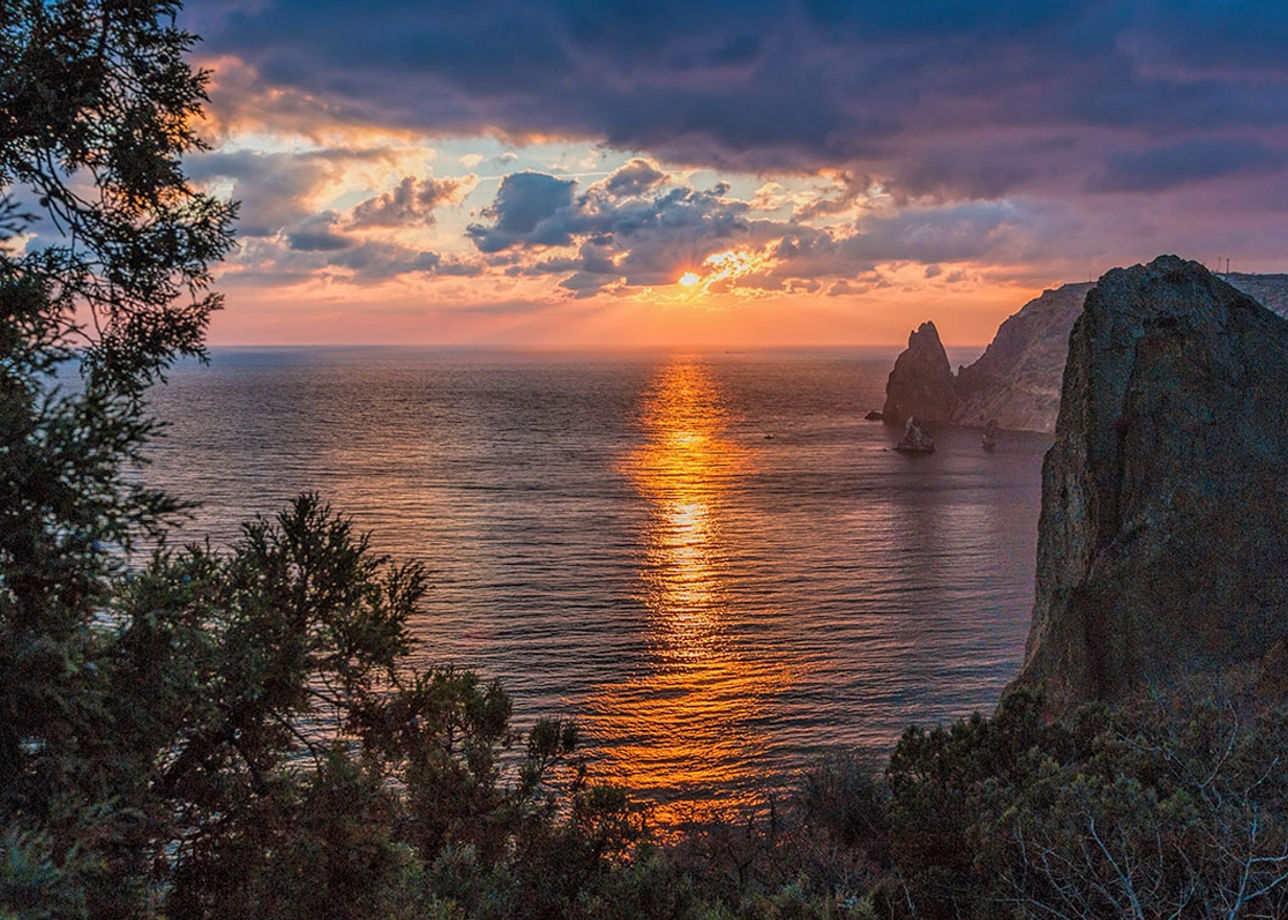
[[874, 416], [915, 440]]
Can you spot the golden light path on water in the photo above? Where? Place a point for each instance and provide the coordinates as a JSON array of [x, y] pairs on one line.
[[616, 539], [690, 718]]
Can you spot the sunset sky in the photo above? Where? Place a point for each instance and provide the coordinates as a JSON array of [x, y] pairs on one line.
[[590, 173]]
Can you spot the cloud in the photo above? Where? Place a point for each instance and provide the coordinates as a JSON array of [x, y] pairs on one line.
[[412, 201], [634, 227], [1168, 165], [756, 85], [973, 231], [311, 254], [656, 229], [1050, 138], [976, 171], [288, 233], [525, 213], [317, 234], [281, 189], [635, 178], [849, 189], [275, 189], [372, 262]]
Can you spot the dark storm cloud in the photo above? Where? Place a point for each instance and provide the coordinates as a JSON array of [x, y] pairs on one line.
[[954, 130], [1170, 165], [891, 87], [530, 209]]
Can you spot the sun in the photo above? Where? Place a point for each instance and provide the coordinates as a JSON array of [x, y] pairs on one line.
[[688, 279]]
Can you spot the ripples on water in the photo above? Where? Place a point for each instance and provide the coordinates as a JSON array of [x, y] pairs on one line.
[[710, 559]]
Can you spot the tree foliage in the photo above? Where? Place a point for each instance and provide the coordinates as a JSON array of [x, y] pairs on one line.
[[1168, 807], [97, 107], [96, 103], [219, 734]]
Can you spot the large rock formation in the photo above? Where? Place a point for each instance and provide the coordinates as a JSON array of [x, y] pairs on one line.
[[1016, 382], [1163, 540], [1271, 291], [921, 383]]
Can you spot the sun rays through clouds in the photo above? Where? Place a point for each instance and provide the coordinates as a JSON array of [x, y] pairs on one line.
[[533, 172]]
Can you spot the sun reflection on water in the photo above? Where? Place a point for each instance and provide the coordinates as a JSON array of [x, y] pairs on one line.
[[692, 717]]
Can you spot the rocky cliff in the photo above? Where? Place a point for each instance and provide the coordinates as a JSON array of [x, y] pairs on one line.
[[1163, 539], [1017, 379], [921, 383], [1271, 291]]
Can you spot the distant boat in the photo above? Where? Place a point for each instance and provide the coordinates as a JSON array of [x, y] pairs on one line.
[[989, 441]]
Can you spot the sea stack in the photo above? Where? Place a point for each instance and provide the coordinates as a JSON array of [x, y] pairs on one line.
[[1163, 539], [921, 383]]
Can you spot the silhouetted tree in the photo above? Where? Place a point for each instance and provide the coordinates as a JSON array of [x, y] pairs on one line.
[[96, 109]]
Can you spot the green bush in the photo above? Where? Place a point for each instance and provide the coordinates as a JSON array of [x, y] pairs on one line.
[[1172, 806]]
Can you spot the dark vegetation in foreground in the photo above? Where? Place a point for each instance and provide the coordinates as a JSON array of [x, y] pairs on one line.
[[238, 734]]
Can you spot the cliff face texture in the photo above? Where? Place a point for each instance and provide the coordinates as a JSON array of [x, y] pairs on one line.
[[921, 383], [1271, 291], [1163, 539], [1017, 379]]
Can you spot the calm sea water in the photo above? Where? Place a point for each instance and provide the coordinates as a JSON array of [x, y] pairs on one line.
[[710, 560]]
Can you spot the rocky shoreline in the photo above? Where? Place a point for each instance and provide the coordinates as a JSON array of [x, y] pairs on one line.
[[1016, 382]]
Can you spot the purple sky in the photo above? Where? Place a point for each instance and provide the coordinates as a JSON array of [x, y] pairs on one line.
[[546, 172]]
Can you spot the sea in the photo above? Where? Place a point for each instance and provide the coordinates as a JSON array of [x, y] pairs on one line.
[[709, 559]]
